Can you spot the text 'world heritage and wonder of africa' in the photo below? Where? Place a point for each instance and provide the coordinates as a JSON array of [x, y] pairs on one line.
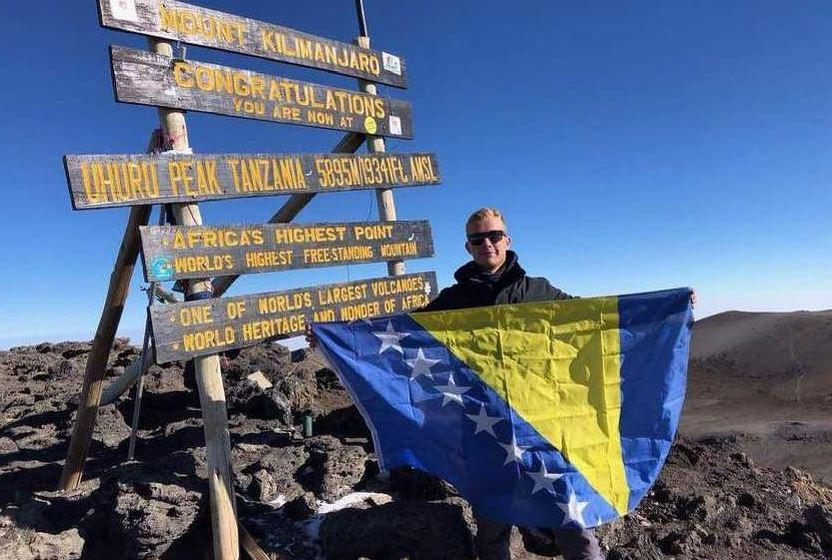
[[193, 328]]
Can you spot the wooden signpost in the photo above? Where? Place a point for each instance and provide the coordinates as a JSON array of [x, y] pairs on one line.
[[98, 181], [206, 324], [178, 21], [150, 79], [184, 330], [176, 252]]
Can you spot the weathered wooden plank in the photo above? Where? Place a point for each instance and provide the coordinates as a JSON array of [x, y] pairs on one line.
[[184, 330], [196, 25], [176, 252], [104, 181], [152, 79]]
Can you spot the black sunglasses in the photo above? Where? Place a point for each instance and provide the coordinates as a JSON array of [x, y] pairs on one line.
[[494, 236]]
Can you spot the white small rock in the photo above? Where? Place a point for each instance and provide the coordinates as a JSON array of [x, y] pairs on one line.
[[257, 378]]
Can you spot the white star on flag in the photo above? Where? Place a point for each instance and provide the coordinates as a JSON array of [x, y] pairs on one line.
[[421, 365], [574, 510], [390, 339], [513, 451], [485, 423], [452, 391], [543, 479]]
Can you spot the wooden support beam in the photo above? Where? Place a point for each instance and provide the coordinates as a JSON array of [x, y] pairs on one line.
[[139, 366], [251, 547], [207, 370], [218, 449], [376, 145], [90, 398], [125, 381], [137, 402]]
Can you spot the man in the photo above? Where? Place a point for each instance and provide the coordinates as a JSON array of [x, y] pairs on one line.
[[494, 276]]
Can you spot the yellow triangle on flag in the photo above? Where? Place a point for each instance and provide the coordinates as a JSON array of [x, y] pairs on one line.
[[558, 365]]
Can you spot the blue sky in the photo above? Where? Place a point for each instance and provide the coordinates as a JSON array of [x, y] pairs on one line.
[[632, 145]]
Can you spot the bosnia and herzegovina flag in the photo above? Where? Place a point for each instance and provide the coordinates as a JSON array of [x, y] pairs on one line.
[[544, 414]]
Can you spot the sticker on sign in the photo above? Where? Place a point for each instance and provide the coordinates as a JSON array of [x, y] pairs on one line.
[[124, 10], [391, 63], [395, 125]]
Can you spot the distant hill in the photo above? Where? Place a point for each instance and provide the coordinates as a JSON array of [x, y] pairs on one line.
[[765, 378], [790, 352]]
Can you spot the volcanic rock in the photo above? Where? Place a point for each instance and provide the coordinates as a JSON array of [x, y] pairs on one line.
[[411, 529], [414, 484], [279, 474], [110, 427], [301, 507], [711, 501], [33, 545], [262, 486], [334, 469], [820, 520], [7, 445], [251, 400], [150, 517]]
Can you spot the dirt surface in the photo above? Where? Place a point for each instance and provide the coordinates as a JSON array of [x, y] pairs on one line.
[[765, 379], [305, 498]]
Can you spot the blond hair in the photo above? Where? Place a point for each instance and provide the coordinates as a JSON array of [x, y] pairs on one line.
[[482, 214]]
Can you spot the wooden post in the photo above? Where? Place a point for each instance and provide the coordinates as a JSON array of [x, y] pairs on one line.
[[251, 547], [144, 357], [207, 371], [137, 400], [375, 144], [79, 443], [125, 381], [90, 398]]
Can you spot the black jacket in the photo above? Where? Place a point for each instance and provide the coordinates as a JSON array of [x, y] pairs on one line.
[[475, 288]]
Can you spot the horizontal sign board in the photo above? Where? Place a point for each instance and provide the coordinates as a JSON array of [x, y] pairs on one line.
[[178, 21], [152, 79], [101, 181], [175, 252], [184, 330]]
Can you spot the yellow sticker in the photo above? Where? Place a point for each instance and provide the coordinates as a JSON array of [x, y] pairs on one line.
[[370, 125]]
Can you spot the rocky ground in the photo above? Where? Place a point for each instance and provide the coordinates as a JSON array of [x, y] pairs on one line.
[[305, 498]]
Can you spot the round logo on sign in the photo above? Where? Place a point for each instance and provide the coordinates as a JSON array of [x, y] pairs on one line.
[[370, 125], [161, 268]]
